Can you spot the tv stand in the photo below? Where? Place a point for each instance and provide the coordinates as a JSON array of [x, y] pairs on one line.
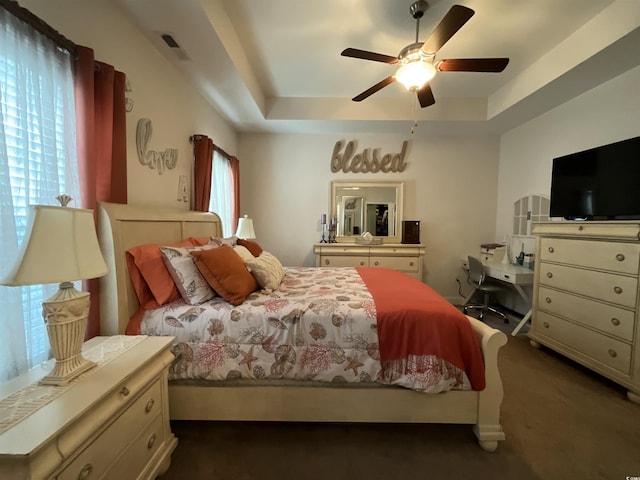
[[585, 296]]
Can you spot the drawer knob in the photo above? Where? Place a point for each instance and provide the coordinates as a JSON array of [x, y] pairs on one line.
[[546, 324], [548, 300], [85, 472], [618, 290], [613, 353], [376, 263], [551, 250], [620, 257], [580, 227], [361, 263], [549, 275], [615, 321], [411, 264], [152, 440], [326, 261], [149, 406], [125, 392]]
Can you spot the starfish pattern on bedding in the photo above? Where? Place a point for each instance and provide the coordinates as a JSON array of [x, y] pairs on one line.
[[354, 364], [248, 358]]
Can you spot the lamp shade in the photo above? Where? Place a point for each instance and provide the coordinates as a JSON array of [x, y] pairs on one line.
[[61, 245], [245, 229]]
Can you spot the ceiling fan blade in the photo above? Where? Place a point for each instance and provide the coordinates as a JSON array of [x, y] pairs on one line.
[[425, 96], [472, 65], [453, 21], [365, 55], [370, 91]]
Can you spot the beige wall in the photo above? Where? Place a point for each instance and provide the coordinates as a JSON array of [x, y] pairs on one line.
[[160, 92], [450, 186], [462, 189], [605, 114]]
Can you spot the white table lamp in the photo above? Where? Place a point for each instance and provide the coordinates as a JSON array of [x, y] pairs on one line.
[[245, 229], [61, 246]]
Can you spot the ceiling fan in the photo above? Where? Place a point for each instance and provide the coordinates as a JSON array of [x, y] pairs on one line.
[[417, 61]]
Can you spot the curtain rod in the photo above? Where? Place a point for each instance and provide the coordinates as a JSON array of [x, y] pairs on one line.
[[39, 25], [215, 147]]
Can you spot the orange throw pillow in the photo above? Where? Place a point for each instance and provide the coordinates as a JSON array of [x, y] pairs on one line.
[[253, 247], [149, 275], [224, 270]]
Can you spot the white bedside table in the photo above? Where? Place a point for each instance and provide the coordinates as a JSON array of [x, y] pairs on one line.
[[111, 422]]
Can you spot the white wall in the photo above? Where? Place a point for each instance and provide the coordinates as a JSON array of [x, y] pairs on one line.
[[160, 92], [450, 186], [462, 189], [605, 114]]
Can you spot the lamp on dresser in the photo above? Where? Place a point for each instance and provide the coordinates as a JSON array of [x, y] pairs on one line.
[[61, 246]]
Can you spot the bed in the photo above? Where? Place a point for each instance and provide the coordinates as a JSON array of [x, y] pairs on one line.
[[122, 227]]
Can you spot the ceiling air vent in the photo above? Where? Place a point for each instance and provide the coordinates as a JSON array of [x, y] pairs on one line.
[[174, 46]]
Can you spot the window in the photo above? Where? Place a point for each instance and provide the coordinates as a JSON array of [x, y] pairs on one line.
[[38, 161], [222, 193]]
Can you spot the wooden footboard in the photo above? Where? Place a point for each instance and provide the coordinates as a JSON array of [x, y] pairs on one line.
[[372, 404], [487, 427]]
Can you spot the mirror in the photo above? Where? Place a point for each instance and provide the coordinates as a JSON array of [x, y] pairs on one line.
[[374, 207]]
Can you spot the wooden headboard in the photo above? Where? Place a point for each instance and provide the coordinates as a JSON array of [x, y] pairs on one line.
[[121, 227]]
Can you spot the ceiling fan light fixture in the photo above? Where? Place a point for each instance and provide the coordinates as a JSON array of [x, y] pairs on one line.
[[415, 74]]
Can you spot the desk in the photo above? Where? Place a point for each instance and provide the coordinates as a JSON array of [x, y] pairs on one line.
[[514, 275]]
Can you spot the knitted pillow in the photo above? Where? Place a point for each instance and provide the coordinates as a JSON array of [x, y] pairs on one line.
[[267, 270]]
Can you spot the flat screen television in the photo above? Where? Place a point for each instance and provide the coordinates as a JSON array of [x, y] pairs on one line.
[[601, 183]]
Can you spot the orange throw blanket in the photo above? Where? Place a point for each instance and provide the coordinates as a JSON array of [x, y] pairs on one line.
[[415, 320]]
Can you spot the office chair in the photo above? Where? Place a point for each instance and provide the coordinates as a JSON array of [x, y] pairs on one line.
[[476, 278]]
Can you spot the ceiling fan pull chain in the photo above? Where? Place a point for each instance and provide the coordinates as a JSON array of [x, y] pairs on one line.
[[414, 111]]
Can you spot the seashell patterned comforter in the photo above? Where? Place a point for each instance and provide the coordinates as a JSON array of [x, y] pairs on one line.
[[320, 325]]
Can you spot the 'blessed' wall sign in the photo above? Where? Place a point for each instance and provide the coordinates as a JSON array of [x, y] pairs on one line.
[[369, 160]]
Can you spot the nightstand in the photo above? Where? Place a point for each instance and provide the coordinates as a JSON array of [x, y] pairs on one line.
[[111, 422]]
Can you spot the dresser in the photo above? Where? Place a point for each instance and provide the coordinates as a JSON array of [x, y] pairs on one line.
[[112, 422], [403, 257], [586, 295]]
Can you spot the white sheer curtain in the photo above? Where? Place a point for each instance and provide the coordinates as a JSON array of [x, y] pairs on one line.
[[38, 161], [222, 192]]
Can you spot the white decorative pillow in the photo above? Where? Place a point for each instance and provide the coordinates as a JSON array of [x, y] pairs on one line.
[[267, 270], [244, 253], [192, 286]]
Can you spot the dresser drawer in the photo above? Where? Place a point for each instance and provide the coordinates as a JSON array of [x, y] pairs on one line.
[[99, 456], [140, 452], [603, 349], [343, 261], [614, 320], [394, 251], [405, 264], [618, 257], [603, 286]]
